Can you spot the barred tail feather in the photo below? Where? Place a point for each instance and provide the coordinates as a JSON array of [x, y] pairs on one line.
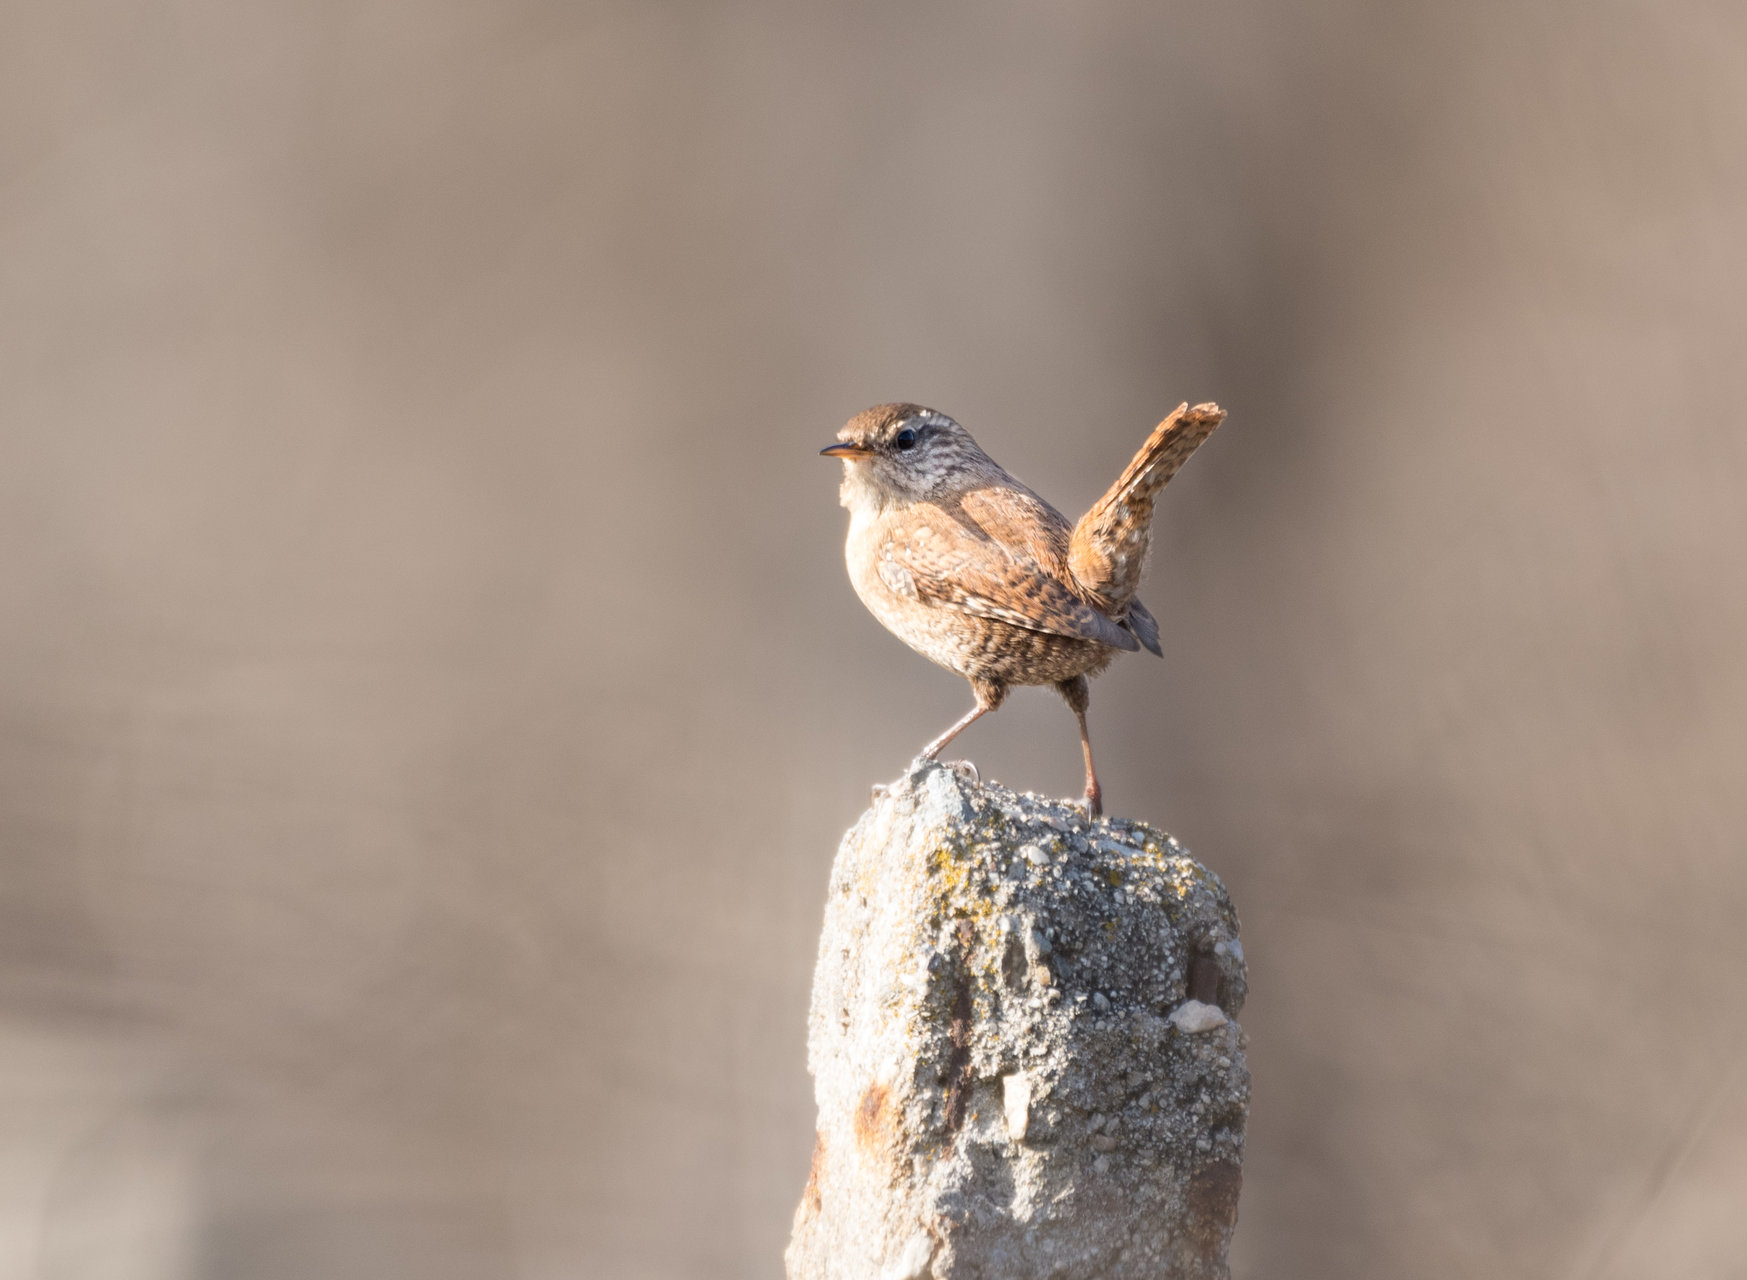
[[1109, 546]]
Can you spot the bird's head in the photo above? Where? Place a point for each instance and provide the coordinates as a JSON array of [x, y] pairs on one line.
[[905, 453]]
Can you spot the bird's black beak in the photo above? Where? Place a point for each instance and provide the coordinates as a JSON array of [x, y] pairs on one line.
[[844, 451]]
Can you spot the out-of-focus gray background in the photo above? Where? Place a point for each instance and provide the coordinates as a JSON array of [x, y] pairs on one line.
[[430, 694]]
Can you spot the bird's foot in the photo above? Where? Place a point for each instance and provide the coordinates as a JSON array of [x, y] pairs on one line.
[[964, 769]]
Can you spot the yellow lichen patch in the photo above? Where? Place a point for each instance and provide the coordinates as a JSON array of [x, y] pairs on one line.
[[949, 867], [951, 888]]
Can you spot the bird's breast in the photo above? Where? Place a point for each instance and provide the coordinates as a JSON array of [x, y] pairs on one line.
[[885, 586]]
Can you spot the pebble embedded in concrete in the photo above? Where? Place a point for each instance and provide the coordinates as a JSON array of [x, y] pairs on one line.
[[1193, 1017]]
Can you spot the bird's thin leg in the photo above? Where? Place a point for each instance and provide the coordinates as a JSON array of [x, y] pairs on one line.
[[1078, 694], [939, 744], [1094, 793], [989, 694]]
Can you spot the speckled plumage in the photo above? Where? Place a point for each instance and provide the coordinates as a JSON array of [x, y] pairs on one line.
[[977, 573]]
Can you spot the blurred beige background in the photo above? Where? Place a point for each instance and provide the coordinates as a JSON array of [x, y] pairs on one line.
[[431, 694]]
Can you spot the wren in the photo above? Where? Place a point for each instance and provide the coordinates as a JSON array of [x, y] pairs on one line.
[[974, 571]]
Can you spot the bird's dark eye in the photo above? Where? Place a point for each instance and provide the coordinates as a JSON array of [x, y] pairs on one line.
[[905, 439]]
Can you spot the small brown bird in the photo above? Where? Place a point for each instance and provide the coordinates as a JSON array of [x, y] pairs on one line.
[[974, 571]]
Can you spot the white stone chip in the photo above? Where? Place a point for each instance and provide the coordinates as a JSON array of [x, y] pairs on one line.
[[1016, 1102], [1193, 1016], [913, 1262]]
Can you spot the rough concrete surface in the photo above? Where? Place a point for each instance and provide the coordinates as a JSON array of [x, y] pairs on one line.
[[1023, 1047]]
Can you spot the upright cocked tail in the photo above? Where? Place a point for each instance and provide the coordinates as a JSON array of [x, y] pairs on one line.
[[1108, 551]]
